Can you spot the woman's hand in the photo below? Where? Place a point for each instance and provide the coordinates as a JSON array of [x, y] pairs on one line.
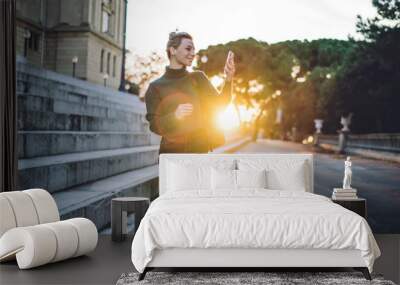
[[229, 68], [183, 110]]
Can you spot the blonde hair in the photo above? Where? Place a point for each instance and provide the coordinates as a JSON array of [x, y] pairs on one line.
[[175, 39]]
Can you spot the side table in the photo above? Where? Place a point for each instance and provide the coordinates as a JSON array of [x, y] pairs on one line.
[[358, 206], [121, 207]]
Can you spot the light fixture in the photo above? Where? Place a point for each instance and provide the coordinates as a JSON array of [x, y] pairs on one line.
[[105, 77], [74, 62]]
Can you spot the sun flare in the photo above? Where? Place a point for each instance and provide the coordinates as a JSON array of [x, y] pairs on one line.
[[229, 118]]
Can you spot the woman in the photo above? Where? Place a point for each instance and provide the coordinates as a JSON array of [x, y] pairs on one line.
[[181, 105]]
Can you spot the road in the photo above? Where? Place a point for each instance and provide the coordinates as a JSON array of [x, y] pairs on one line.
[[376, 180]]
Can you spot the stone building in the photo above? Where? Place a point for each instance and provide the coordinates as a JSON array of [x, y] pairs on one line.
[[51, 33]]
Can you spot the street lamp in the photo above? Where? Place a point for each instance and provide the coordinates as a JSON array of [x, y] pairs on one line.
[[122, 80], [74, 62], [105, 77], [204, 59], [318, 126], [27, 36]]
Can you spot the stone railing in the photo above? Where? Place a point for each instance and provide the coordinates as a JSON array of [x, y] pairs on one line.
[[381, 146], [381, 142], [328, 139]]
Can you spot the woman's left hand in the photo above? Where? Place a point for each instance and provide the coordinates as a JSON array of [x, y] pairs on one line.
[[229, 68]]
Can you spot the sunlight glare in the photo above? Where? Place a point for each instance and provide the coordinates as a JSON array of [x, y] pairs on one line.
[[217, 81], [229, 118]]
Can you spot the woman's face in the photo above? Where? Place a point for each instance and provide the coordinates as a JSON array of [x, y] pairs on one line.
[[184, 54]]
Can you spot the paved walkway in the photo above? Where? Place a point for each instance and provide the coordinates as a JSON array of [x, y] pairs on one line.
[[377, 181]]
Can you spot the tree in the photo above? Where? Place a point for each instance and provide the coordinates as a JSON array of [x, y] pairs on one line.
[[302, 72], [369, 83], [142, 70]]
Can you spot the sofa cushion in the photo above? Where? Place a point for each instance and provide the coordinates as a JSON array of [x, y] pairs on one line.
[[7, 220], [26, 208]]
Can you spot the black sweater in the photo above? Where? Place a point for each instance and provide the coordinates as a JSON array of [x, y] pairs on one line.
[[178, 86]]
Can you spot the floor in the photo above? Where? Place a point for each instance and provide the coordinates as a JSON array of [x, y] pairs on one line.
[[103, 266], [110, 260]]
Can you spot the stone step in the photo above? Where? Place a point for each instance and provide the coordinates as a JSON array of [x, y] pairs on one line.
[[33, 80], [46, 143], [45, 104], [63, 171], [45, 121], [93, 200], [82, 99]]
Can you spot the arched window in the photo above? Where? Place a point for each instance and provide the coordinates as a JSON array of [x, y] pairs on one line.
[[107, 12], [102, 61]]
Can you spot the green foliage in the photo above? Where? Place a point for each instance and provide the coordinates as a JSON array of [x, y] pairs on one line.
[[335, 77], [369, 84], [134, 88], [272, 66]]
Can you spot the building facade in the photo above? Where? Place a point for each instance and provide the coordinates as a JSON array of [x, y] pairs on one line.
[[83, 38]]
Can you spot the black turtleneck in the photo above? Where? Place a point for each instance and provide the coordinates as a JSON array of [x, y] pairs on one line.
[[178, 86], [175, 73]]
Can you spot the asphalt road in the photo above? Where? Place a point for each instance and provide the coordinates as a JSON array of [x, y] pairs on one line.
[[376, 180]]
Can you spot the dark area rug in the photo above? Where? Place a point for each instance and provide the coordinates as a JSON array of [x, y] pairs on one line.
[[229, 278]]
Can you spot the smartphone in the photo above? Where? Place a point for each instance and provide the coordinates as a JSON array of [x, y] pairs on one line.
[[230, 56]]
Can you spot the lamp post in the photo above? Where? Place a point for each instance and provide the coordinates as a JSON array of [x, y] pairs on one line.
[[105, 77], [74, 62], [318, 126], [122, 82], [27, 36]]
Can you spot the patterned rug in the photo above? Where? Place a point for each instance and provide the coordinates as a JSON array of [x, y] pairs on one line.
[[243, 278]]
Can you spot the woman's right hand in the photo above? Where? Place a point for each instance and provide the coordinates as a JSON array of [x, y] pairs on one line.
[[183, 110]]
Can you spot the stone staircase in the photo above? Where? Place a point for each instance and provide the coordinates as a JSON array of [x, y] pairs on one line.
[[83, 143]]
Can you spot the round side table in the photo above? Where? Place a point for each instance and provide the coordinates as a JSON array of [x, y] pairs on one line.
[[121, 207]]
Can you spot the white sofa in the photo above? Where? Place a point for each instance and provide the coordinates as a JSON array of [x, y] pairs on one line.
[[31, 231]]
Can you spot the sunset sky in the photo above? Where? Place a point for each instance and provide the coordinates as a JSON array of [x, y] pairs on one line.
[[220, 21]]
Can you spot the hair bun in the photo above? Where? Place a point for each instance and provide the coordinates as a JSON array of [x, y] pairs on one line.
[[172, 35]]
